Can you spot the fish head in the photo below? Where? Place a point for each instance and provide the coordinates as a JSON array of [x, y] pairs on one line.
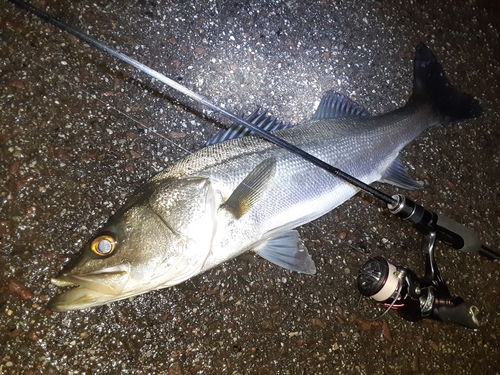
[[160, 238]]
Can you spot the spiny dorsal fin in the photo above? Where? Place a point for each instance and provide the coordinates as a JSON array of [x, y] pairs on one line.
[[260, 119], [288, 251], [251, 188], [335, 105]]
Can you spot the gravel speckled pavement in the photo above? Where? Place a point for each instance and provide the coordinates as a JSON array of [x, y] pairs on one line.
[[73, 146]]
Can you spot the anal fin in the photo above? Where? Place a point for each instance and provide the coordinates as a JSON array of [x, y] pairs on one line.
[[397, 175], [288, 251]]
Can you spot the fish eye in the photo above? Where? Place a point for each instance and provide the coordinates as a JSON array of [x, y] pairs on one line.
[[104, 244]]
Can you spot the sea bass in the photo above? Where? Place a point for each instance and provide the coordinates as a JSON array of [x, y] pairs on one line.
[[246, 193]]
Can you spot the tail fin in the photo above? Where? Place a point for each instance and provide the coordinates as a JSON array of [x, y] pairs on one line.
[[429, 80]]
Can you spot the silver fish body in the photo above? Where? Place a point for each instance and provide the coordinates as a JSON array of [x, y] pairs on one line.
[[248, 194], [297, 192]]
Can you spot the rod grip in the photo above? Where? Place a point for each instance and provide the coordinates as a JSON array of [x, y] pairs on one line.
[[457, 235], [462, 314]]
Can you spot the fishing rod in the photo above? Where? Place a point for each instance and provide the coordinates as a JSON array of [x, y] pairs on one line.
[[201, 99], [395, 287]]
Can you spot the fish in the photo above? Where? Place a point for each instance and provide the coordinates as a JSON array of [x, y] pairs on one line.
[[242, 193]]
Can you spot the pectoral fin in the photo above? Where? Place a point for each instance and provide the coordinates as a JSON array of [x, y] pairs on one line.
[[251, 188], [288, 251]]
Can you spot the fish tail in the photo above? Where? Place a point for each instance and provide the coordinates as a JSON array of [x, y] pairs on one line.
[[430, 83]]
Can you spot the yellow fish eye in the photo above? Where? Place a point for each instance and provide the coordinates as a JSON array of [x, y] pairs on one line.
[[104, 244]]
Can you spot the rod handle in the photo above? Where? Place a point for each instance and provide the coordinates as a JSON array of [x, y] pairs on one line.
[[462, 314], [457, 235]]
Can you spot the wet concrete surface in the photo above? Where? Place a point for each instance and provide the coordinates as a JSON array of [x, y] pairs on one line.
[[73, 147]]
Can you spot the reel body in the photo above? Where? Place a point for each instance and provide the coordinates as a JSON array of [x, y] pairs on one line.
[[400, 289]]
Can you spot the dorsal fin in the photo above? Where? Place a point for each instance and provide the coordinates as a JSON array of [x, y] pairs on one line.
[[335, 105], [260, 119]]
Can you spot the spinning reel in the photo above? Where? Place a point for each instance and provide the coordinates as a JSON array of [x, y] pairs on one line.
[[415, 298]]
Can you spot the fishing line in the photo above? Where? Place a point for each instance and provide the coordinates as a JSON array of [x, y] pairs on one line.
[[140, 125]]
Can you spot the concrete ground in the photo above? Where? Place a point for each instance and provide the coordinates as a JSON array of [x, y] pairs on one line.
[[73, 147]]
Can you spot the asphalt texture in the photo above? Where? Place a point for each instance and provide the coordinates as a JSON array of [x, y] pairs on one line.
[[81, 131]]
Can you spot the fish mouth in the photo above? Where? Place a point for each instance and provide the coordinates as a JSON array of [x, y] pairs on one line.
[[92, 288]]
